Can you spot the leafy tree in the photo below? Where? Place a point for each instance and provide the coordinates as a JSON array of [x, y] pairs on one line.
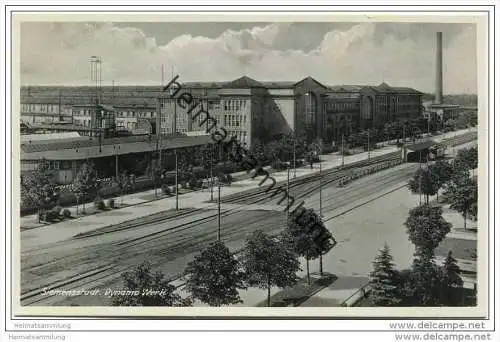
[[425, 182], [39, 187], [214, 276], [269, 261], [424, 282], [145, 288], [468, 158], [443, 172], [124, 184], [461, 193], [383, 281], [86, 182], [311, 239], [426, 228], [451, 280]]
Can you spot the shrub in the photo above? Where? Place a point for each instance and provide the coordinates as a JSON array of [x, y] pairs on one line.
[[280, 166], [57, 209], [225, 178], [193, 183], [51, 216], [111, 203], [165, 189], [183, 185], [99, 204], [41, 216], [66, 213]]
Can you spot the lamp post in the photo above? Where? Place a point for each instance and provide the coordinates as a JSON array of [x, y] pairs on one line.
[[342, 150], [116, 148], [294, 155], [176, 182], [368, 144], [218, 212], [211, 175], [287, 191], [320, 190]]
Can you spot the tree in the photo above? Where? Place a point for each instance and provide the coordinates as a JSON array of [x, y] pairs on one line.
[[86, 182], [443, 172], [270, 261], [384, 289], [214, 276], [39, 188], [424, 182], [451, 280], [468, 158], [311, 239], [424, 282], [123, 183], [426, 228], [461, 193], [144, 288]]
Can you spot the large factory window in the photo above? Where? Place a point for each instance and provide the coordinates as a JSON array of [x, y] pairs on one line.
[[310, 109]]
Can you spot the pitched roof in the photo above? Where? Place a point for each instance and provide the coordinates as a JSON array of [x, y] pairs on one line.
[[278, 85], [310, 79], [244, 82]]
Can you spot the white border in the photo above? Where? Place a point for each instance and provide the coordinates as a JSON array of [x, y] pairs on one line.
[[263, 325]]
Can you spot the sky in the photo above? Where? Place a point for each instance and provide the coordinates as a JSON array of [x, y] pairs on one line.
[[334, 53]]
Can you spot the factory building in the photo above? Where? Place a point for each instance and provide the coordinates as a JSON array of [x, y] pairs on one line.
[[246, 108]]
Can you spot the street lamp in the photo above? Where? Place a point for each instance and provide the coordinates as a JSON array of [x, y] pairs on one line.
[[294, 155], [320, 189], [342, 150], [211, 174], [368, 144], [287, 191], [116, 148], [218, 212], [176, 182]]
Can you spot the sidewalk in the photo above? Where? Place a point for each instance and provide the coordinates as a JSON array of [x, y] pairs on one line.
[[144, 203]]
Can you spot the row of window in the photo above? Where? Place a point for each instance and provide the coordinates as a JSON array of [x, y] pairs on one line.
[[233, 105], [235, 120], [341, 106]]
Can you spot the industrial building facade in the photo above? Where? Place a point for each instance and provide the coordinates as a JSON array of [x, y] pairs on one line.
[[245, 107]]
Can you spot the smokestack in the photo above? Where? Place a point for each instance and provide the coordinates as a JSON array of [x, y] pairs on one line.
[[439, 68]]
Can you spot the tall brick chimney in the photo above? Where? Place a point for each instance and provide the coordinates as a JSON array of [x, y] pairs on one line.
[[439, 68]]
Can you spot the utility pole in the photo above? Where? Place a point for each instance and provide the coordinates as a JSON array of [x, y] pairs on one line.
[[420, 177], [211, 174], [116, 161], [420, 188], [218, 213], [288, 192], [320, 190], [368, 144], [176, 182], [403, 145], [294, 155], [342, 150]]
